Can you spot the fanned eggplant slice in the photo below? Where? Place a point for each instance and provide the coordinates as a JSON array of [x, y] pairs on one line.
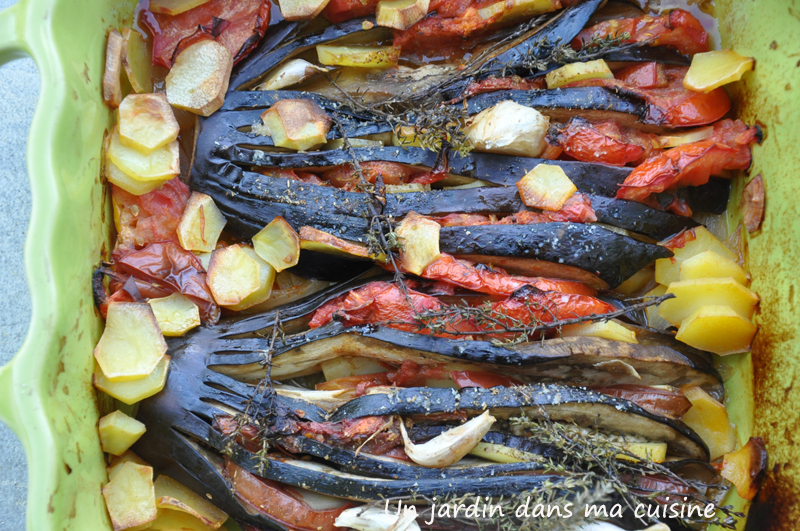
[[559, 403], [657, 359], [610, 256]]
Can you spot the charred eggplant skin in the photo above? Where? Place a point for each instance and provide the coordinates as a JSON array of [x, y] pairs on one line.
[[612, 257], [559, 403]]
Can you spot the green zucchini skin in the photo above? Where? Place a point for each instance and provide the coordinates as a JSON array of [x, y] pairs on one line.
[[561, 403], [612, 257]]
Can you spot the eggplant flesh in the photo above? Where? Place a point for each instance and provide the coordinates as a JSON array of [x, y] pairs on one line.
[[558, 403]]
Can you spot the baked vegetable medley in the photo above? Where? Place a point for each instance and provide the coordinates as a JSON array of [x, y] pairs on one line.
[[424, 264]]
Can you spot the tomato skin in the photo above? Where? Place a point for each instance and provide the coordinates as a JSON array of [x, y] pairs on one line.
[[493, 84], [151, 217], [236, 24], [644, 75], [601, 142], [273, 500], [170, 268], [346, 176], [484, 380], [577, 209], [340, 10], [678, 29], [692, 164], [465, 274], [546, 306]]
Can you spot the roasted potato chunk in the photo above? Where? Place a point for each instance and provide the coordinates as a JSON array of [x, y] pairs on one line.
[[572, 72], [713, 69], [717, 329], [118, 432], [546, 186], [172, 495], [130, 497], [199, 78], [297, 124], [112, 81], [301, 9], [160, 165], [146, 122], [132, 344], [201, 224], [693, 294], [710, 420], [278, 244], [176, 314], [401, 14], [134, 391], [420, 239]]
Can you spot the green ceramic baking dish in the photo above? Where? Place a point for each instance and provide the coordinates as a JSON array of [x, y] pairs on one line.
[[46, 394]]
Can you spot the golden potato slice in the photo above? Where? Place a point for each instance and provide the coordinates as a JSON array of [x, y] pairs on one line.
[[161, 164], [278, 244], [358, 56], [136, 59], [232, 275], [606, 329], [685, 137], [169, 520], [546, 186], [297, 124], [205, 259], [745, 467], [174, 7], [118, 432], [133, 186], [265, 283], [400, 14], [199, 78], [117, 461], [146, 122], [650, 451], [302, 9], [717, 329], [134, 391], [709, 419], [112, 82], [419, 237], [132, 344], [698, 240], [637, 282], [503, 454], [572, 72], [176, 314], [130, 497], [201, 224], [713, 69], [710, 264], [692, 294], [172, 495]]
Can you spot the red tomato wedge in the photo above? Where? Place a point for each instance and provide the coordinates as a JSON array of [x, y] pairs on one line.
[[678, 29], [340, 10], [236, 24], [151, 217], [604, 142], [273, 500], [484, 380], [661, 401]]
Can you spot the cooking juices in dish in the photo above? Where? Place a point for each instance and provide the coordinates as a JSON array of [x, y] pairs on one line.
[[379, 262]]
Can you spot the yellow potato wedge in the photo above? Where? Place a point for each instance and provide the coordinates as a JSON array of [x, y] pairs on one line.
[[297, 124], [685, 137], [132, 344], [174, 7], [713, 69], [572, 72], [710, 264], [176, 314], [117, 461], [112, 82], [146, 122], [265, 283], [710, 420], [134, 391], [655, 452], [698, 240], [400, 14], [130, 497], [651, 312], [278, 244], [637, 282], [717, 329], [169, 520], [172, 495], [133, 186], [301, 9], [692, 294], [546, 186], [118, 432], [503, 454], [201, 224], [420, 239], [606, 329], [161, 164], [199, 78], [745, 467], [232, 275], [358, 56]]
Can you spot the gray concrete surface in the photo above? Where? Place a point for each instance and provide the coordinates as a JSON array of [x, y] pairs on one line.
[[19, 89]]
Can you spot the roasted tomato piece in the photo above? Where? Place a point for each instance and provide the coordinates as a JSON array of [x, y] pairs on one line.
[[167, 266], [236, 24], [644, 75], [494, 84], [279, 503], [692, 164], [678, 29], [346, 176], [485, 380], [528, 305], [340, 10], [494, 281], [411, 374], [152, 217], [604, 142], [577, 209]]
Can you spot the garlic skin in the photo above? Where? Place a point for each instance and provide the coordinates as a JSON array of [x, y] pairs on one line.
[[509, 128], [450, 446], [376, 519], [289, 74]]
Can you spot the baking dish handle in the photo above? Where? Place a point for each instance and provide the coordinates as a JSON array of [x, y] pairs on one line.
[[12, 47]]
